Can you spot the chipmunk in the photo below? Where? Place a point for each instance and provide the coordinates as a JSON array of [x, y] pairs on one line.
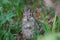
[[28, 24]]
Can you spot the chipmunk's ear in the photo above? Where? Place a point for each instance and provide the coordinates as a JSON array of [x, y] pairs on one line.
[[28, 10]]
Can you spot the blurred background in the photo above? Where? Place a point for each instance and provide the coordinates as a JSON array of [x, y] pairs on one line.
[[29, 19]]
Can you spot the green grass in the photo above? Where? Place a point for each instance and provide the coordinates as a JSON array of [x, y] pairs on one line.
[[52, 34], [12, 9]]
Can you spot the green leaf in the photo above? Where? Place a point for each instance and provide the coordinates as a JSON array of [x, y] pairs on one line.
[[54, 24]]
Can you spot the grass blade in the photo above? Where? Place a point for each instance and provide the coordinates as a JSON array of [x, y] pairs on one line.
[[54, 24]]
